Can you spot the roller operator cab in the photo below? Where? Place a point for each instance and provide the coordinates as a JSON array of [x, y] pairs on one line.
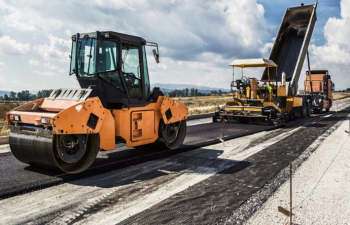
[[114, 105]]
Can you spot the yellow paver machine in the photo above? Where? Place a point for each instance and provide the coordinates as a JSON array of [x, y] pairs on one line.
[[273, 98]]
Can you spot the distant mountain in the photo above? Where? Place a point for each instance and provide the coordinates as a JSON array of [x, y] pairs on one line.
[[171, 87]]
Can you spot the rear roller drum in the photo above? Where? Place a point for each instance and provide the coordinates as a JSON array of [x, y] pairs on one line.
[[76, 153], [172, 134]]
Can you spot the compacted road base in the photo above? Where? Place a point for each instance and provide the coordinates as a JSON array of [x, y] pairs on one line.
[[203, 186], [321, 193], [215, 199]]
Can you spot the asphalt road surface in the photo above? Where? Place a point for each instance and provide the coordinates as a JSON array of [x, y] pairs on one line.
[[19, 178], [145, 186]]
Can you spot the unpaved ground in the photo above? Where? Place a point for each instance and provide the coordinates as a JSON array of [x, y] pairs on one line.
[[321, 193], [6, 107], [340, 95]]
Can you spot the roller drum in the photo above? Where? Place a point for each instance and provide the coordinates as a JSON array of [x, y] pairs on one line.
[[34, 150], [42, 152]]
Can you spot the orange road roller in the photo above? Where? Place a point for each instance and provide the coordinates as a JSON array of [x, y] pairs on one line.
[[66, 130]]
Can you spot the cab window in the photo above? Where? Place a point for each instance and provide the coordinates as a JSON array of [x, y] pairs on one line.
[[131, 69]]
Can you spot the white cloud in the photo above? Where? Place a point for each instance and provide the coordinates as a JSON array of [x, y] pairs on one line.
[[2, 66], [57, 49], [334, 55], [195, 37], [45, 73], [266, 50], [32, 15], [34, 62], [54, 67], [12, 47], [68, 33], [162, 66]]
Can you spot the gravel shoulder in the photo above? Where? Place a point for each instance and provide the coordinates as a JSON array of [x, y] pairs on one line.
[[321, 193]]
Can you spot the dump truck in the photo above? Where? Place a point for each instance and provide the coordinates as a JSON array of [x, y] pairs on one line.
[[273, 98], [114, 104], [318, 90]]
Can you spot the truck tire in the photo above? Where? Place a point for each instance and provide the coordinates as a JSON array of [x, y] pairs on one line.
[[308, 109], [304, 110], [217, 119], [327, 109], [320, 110]]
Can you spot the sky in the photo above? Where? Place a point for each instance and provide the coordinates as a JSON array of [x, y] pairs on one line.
[[197, 39]]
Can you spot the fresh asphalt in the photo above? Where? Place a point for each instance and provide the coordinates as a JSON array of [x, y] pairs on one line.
[[18, 178], [214, 200]]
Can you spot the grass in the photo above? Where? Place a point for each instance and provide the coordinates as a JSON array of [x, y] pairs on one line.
[[4, 131], [200, 111], [203, 104], [337, 96], [206, 101]]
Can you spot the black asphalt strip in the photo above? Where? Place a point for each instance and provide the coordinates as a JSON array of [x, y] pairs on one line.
[[213, 200], [19, 178]]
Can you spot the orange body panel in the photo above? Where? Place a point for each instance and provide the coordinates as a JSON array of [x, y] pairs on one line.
[[148, 119], [107, 132], [317, 83], [142, 125], [137, 126], [178, 110], [57, 105], [125, 127], [33, 118], [73, 120]]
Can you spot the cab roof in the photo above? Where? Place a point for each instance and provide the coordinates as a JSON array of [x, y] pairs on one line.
[[113, 35]]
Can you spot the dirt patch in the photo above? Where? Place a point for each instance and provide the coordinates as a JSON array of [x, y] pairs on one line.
[[5, 108], [337, 96], [205, 104]]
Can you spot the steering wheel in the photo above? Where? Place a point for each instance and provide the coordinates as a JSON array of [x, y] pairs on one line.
[[244, 79], [132, 75]]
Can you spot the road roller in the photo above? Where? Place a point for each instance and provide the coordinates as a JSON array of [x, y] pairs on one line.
[[113, 105]]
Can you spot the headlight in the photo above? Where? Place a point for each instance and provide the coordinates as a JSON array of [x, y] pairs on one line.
[[15, 117], [46, 120]]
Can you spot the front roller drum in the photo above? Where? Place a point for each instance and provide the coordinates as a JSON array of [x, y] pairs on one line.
[[68, 153]]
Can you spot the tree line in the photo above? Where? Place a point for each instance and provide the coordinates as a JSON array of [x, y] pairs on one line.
[[25, 95], [191, 92]]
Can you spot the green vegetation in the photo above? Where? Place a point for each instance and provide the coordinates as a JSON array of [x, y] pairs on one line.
[[25, 95], [191, 93]]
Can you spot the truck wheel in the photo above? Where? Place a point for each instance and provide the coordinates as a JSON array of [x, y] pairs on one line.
[[292, 116], [321, 108], [217, 119], [304, 111], [308, 109], [327, 109]]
